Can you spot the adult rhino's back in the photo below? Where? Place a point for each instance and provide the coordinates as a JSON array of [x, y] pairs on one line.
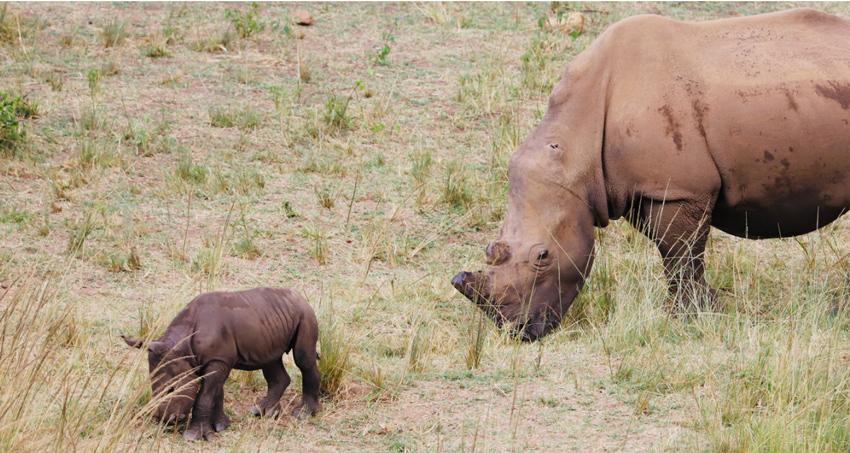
[[756, 109]]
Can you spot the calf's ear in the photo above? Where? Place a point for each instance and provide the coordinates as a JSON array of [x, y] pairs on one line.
[[133, 341]]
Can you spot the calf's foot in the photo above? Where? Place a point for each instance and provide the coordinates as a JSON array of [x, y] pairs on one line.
[[221, 423], [198, 433], [258, 411], [304, 410]]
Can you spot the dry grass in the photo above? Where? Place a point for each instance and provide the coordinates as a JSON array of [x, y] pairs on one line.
[[175, 153]]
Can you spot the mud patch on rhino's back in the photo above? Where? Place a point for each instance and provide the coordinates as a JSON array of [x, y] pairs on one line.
[[837, 92], [672, 126]]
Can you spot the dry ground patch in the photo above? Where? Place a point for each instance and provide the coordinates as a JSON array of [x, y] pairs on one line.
[[185, 147]]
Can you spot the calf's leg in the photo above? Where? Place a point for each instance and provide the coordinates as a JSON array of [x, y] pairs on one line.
[[209, 402], [278, 380], [306, 358]]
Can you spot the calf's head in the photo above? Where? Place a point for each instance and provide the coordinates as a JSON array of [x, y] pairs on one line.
[[174, 383], [538, 263]]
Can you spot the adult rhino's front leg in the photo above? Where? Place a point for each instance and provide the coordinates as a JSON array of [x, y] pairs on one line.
[[680, 231], [209, 405]]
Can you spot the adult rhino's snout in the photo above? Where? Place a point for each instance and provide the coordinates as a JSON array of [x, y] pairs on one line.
[[457, 281]]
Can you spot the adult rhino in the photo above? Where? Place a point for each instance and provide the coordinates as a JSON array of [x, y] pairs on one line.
[[742, 124]]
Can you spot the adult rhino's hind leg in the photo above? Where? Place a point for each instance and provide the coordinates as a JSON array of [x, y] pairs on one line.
[[680, 231], [278, 380]]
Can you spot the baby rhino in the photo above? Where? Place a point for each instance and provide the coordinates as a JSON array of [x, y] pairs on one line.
[[220, 331]]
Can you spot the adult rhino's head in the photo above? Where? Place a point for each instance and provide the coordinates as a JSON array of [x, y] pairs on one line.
[[538, 263], [174, 383]]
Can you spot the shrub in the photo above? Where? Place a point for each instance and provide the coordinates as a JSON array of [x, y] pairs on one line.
[[14, 109]]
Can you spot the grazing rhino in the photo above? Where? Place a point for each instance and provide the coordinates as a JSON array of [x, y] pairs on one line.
[[220, 331], [742, 124]]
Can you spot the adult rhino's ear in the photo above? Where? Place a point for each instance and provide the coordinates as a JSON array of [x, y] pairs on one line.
[[133, 341]]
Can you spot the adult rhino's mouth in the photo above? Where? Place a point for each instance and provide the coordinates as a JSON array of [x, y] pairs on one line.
[[475, 287]]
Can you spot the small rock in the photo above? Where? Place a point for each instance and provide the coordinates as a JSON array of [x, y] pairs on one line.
[[303, 17], [566, 24]]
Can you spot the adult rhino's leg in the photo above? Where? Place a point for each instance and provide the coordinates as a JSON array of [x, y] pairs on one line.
[[680, 230], [210, 401], [278, 380], [306, 358]]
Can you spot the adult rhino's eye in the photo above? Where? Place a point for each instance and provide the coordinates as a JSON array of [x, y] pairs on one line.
[[170, 390], [543, 255]]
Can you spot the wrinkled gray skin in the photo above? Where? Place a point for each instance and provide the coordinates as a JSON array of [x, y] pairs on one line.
[[220, 331], [742, 124]]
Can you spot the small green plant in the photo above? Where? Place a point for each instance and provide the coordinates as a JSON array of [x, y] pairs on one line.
[[109, 67], [139, 138], [54, 80], [319, 237], [246, 118], [209, 261], [121, 261], [247, 24], [8, 29], [94, 153], [535, 71], [304, 72], [113, 33], [188, 171], [380, 55], [217, 42], [476, 335], [280, 96], [13, 27], [156, 47], [78, 232], [421, 168], [93, 77], [246, 248], [221, 117], [327, 195], [288, 210], [11, 215], [456, 190], [13, 110], [335, 352], [336, 116], [418, 347]]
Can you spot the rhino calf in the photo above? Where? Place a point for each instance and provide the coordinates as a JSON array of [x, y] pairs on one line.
[[220, 331]]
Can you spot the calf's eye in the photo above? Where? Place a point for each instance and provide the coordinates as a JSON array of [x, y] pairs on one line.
[[543, 255]]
